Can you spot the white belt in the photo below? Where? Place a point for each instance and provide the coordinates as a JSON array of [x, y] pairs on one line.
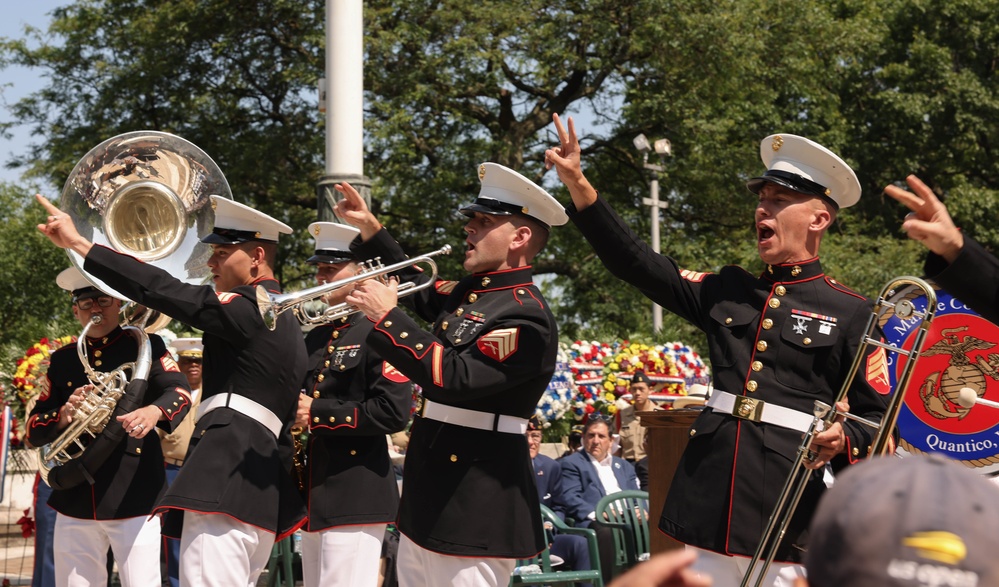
[[471, 418], [756, 410], [245, 406]]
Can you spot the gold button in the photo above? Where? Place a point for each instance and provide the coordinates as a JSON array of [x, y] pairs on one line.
[[768, 324], [343, 367], [757, 366], [348, 419], [751, 385], [781, 290], [761, 346], [326, 363], [315, 394], [388, 324], [485, 281], [320, 377], [692, 432], [97, 353], [404, 335], [69, 384], [336, 334], [521, 292], [419, 346], [97, 363], [855, 452], [176, 404], [457, 341], [774, 303], [807, 341], [329, 349], [332, 419], [353, 452], [454, 458], [138, 450], [459, 311], [203, 432], [728, 320], [315, 420], [444, 325], [169, 410], [472, 297]]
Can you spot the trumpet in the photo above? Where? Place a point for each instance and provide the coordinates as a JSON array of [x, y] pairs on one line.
[[272, 305], [895, 298]]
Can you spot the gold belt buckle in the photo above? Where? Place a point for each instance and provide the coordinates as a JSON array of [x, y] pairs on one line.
[[748, 408]]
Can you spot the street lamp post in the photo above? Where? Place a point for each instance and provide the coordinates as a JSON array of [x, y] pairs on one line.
[[663, 148]]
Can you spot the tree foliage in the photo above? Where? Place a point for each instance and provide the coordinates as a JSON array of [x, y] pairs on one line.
[[893, 86]]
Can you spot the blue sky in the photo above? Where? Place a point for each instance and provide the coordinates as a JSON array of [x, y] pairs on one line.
[[16, 83]]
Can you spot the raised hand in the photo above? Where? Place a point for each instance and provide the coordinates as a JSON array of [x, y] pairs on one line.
[[353, 210], [567, 163], [929, 222], [59, 229]]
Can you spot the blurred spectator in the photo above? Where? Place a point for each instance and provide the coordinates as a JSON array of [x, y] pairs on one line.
[[920, 521]]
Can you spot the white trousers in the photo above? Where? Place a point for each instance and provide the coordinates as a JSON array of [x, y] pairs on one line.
[[81, 551], [348, 556], [729, 570], [219, 551], [418, 567]]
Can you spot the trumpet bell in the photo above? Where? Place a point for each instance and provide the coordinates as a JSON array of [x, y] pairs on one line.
[[146, 194]]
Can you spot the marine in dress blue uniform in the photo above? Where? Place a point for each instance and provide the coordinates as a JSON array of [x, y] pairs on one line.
[[778, 341], [235, 490], [112, 507], [469, 499], [351, 400]]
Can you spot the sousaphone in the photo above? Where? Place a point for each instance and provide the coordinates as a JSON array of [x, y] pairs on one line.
[[146, 194]]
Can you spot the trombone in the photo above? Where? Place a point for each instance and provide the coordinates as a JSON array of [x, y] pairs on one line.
[[272, 305], [906, 288]]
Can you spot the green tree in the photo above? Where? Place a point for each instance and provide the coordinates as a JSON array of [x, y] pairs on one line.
[[32, 306]]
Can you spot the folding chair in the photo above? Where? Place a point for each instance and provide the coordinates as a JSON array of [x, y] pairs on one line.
[[549, 576], [626, 513]]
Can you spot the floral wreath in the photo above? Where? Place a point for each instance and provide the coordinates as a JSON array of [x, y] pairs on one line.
[[23, 387], [594, 377]]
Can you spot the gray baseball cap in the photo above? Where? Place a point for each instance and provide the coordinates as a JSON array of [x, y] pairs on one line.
[[920, 521]]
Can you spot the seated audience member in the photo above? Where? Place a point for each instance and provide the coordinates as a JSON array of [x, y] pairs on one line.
[[594, 472], [589, 475], [548, 477], [911, 522]]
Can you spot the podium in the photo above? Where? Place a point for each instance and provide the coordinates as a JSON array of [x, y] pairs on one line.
[[668, 433]]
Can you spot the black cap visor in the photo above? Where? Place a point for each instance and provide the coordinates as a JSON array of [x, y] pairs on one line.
[[231, 236], [327, 256], [791, 181]]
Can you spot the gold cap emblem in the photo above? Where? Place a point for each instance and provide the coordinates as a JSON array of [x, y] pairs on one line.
[[482, 172], [777, 143]]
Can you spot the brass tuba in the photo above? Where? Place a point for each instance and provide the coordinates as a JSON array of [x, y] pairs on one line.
[[145, 194], [96, 409]]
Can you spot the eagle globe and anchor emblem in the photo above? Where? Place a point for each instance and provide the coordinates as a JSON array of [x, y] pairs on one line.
[[961, 352]]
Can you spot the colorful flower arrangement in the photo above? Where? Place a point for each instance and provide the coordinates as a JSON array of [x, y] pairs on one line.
[[21, 388], [593, 377]]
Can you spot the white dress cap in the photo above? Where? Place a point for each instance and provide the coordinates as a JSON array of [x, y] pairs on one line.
[[807, 167], [505, 192], [187, 347], [332, 242], [238, 223], [72, 280]]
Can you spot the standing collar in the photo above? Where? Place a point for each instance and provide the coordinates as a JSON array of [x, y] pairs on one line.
[[502, 279], [791, 272]]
